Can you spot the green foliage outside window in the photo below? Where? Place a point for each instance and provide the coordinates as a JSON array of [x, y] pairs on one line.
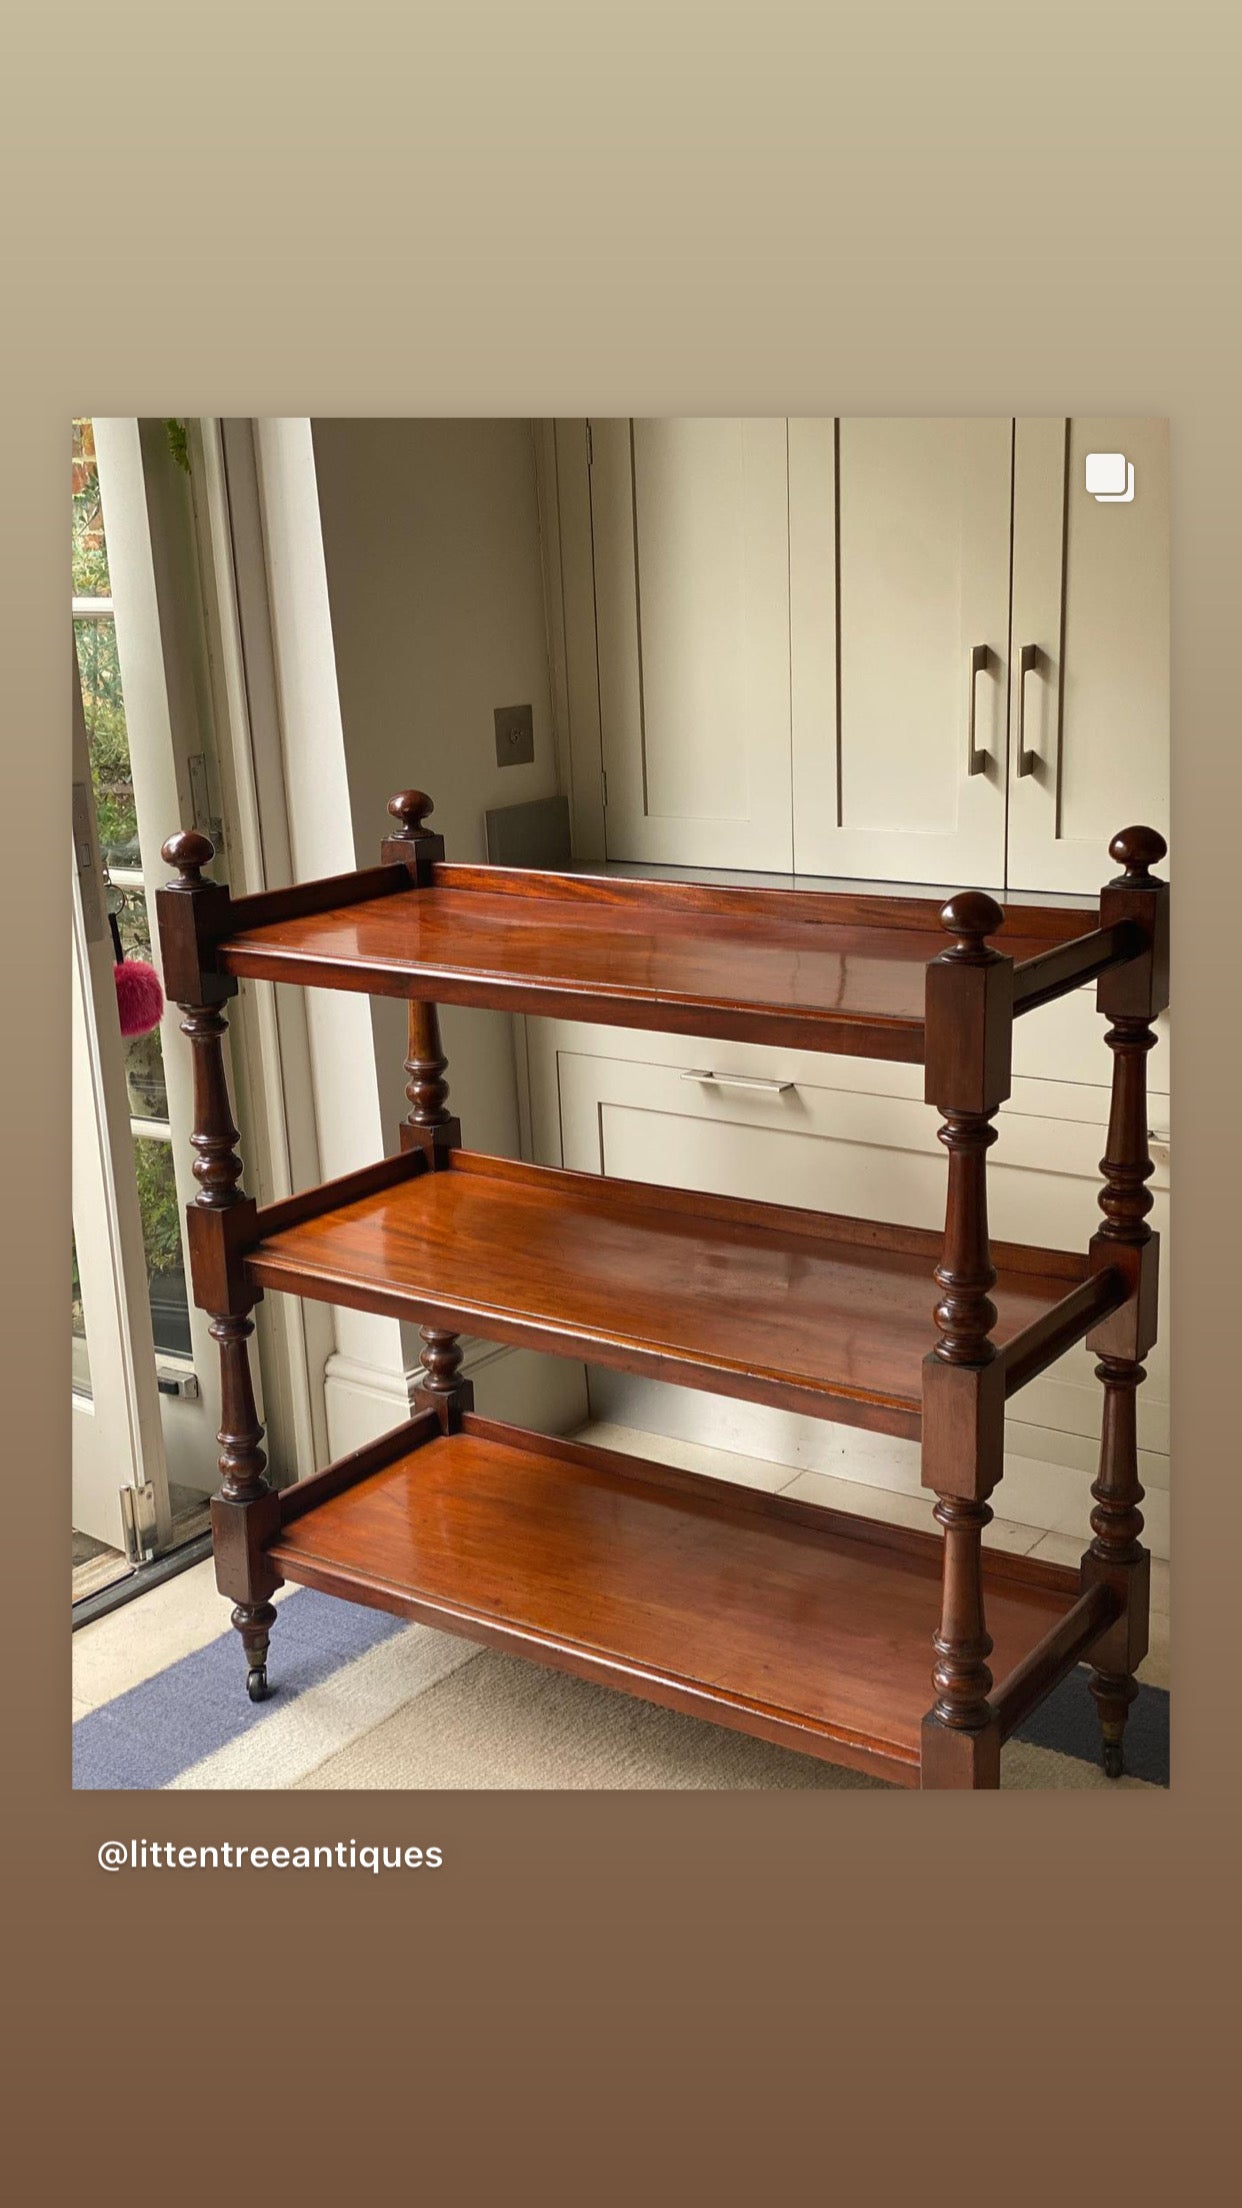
[[157, 1194], [98, 664]]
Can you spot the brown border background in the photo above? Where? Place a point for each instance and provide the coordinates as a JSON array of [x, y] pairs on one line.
[[654, 209]]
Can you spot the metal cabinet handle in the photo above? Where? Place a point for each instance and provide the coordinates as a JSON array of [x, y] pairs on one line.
[[738, 1080], [980, 661], [1160, 1136], [1028, 664]]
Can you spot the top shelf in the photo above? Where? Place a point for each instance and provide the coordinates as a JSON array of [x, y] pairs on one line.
[[804, 968]]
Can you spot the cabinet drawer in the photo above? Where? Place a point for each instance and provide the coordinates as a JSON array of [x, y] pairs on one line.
[[1057, 1050]]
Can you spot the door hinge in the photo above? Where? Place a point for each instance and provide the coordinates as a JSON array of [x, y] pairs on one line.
[[138, 1522], [590, 447], [603, 789]]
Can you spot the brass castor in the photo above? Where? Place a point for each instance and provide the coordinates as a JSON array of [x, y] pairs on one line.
[[254, 1621], [1113, 1694]]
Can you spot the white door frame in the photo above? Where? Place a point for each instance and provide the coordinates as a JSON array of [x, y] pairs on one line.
[[280, 1139], [316, 1104]]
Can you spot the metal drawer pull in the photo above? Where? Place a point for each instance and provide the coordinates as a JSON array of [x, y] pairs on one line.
[[1160, 1136], [739, 1080], [1028, 664], [980, 661]]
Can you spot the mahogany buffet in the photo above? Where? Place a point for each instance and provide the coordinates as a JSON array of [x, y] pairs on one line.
[[906, 1654]]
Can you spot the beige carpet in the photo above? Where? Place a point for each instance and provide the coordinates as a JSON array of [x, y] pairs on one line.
[[500, 1723]]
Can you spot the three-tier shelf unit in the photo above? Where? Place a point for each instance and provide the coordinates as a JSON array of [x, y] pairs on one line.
[[910, 1655]]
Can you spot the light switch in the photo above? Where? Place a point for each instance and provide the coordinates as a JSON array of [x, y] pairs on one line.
[[515, 735]]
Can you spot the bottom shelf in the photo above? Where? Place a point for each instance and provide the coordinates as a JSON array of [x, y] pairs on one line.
[[800, 1625]]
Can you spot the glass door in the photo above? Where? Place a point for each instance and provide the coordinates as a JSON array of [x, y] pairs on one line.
[[145, 1408], [120, 1477]]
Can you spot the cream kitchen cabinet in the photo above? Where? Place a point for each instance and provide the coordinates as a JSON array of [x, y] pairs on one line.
[[1089, 666], [690, 552], [899, 644], [867, 648]]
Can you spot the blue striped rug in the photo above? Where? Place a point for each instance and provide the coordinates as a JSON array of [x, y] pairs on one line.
[[148, 1737]]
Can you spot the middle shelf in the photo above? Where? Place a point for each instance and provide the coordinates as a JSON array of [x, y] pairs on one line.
[[798, 1309]]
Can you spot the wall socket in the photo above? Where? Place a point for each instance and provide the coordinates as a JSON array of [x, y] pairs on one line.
[[515, 735]]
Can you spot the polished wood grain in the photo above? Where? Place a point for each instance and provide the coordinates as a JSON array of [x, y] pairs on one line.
[[245, 1511], [801, 1626], [804, 1627], [417, 847], [1051, 973], [970, 1023], [1031, 1352], [1073, 1637], [346, 1472], [430, 1127], [804, 969], [795, 1308], [897, 908], [1117, 1558], [327, 893]]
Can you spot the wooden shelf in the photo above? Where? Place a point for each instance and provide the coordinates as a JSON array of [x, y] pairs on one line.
[[797, 1624], [798, 1309], [798, 968], [825, 1633]]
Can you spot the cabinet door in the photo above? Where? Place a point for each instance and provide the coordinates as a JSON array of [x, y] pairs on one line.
[[1091, 616], [690, 538], [899, 579]]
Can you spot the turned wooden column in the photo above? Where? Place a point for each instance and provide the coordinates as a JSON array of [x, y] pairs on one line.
[[431, 1126], [428, 1125], [1130, 996], [969, 1019], [244, 1513]]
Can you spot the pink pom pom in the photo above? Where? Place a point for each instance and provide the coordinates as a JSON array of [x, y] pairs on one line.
[[139, 997]]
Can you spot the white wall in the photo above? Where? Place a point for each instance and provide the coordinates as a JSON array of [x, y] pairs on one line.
[[431, 544], [364, 1381], [432, 554]]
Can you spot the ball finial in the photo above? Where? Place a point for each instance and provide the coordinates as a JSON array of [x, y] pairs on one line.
[[411, 808], [970, 917], [189, 853], [1138, 850]]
